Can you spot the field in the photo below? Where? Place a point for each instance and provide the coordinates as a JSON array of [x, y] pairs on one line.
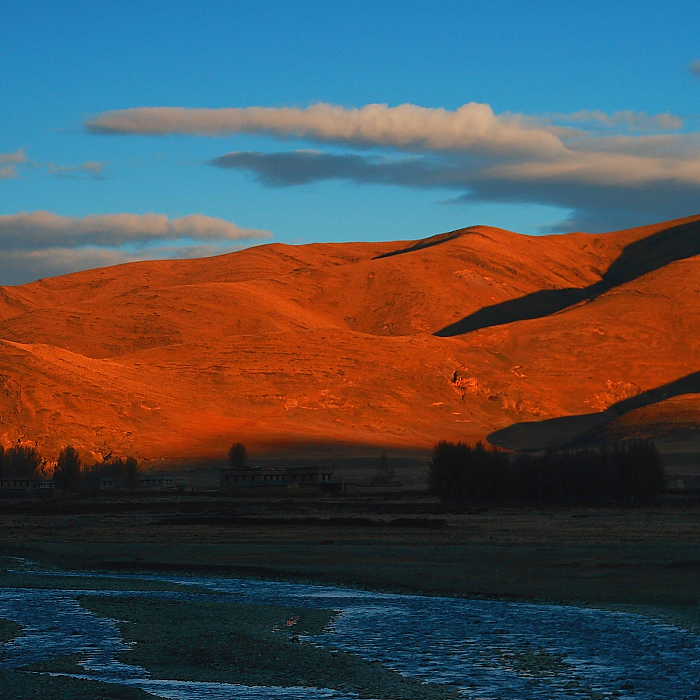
[[646, 557], [197, 641], [643, 560]]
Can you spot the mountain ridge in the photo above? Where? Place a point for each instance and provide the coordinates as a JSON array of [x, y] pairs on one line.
[[347, 342]]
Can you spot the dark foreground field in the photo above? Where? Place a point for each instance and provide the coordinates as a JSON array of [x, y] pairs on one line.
[[643, 560], [647, 558]]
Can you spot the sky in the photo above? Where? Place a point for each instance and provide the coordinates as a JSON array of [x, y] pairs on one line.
[[140, 130]]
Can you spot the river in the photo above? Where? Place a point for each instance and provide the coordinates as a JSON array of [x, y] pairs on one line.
[[479, 645]]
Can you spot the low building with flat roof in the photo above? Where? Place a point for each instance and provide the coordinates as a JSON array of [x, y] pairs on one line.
[[278, 477], [19, 487]]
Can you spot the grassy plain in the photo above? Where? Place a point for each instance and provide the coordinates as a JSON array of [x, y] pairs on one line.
[[8, 630], [643, 560], [646, 557], [247, 644]]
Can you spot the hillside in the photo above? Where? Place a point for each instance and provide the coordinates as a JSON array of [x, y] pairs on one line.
[[463, 335]]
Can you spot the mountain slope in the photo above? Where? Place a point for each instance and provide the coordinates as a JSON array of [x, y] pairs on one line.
[[401, 343]]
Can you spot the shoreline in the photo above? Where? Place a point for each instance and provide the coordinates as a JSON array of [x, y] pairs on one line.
[[685, 617], [150, 621], [643, 560]]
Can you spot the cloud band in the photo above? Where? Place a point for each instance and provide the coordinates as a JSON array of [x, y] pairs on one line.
[[41, 244], [42, 229]]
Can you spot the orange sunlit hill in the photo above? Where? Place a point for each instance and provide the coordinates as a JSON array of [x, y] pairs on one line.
[[531, 340]]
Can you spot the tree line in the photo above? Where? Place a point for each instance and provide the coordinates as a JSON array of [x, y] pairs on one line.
[[69, 473], [624, 473], [22, 462]]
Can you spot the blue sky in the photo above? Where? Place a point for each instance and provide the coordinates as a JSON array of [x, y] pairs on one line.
[[615, 87]]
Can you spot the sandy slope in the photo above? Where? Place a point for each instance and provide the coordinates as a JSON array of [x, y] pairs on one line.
[[400, 343]]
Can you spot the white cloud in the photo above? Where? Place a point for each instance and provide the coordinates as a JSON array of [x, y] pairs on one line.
[[474, 126], [9, 172], [514, 145], [603, 169], [631, 161], [43, 244], [42, 229]]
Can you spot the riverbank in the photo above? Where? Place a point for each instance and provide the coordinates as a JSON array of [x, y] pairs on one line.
[[200, 640], [252, 645], [18, 685], [254, 632], [644, 558], [52, 581]]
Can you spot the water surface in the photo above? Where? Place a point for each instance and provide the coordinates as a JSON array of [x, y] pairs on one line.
[[491, 650]]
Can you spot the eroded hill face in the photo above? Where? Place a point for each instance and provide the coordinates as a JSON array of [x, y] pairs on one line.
[[396, 344]]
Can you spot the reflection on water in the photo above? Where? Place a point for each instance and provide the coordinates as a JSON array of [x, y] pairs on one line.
[[492, 650]]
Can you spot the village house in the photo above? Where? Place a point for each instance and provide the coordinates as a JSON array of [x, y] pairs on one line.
[[155, 481], [287, 478], [685, 488], [23, 487]]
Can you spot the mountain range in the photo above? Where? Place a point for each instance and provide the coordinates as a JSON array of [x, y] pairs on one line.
[[476, 334]]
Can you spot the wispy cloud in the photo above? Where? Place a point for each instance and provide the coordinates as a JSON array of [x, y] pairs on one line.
[[18, 156], [11, 163], [38, 244], [20, 266], [91, 168], [695, 67], [629, 119], [43, 229]]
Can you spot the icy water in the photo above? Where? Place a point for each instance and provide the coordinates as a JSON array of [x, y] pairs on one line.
[[486, 648]]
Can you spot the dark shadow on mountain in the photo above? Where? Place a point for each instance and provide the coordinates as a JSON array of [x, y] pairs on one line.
[[421, 245], [557, 433], [536, 305], [637, 259]]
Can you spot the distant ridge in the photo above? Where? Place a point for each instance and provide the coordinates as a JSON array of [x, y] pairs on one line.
[[455, 336]]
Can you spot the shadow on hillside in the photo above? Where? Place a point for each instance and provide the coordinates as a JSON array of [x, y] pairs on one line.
[[421, 245], [562, 432], [637, 259]]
